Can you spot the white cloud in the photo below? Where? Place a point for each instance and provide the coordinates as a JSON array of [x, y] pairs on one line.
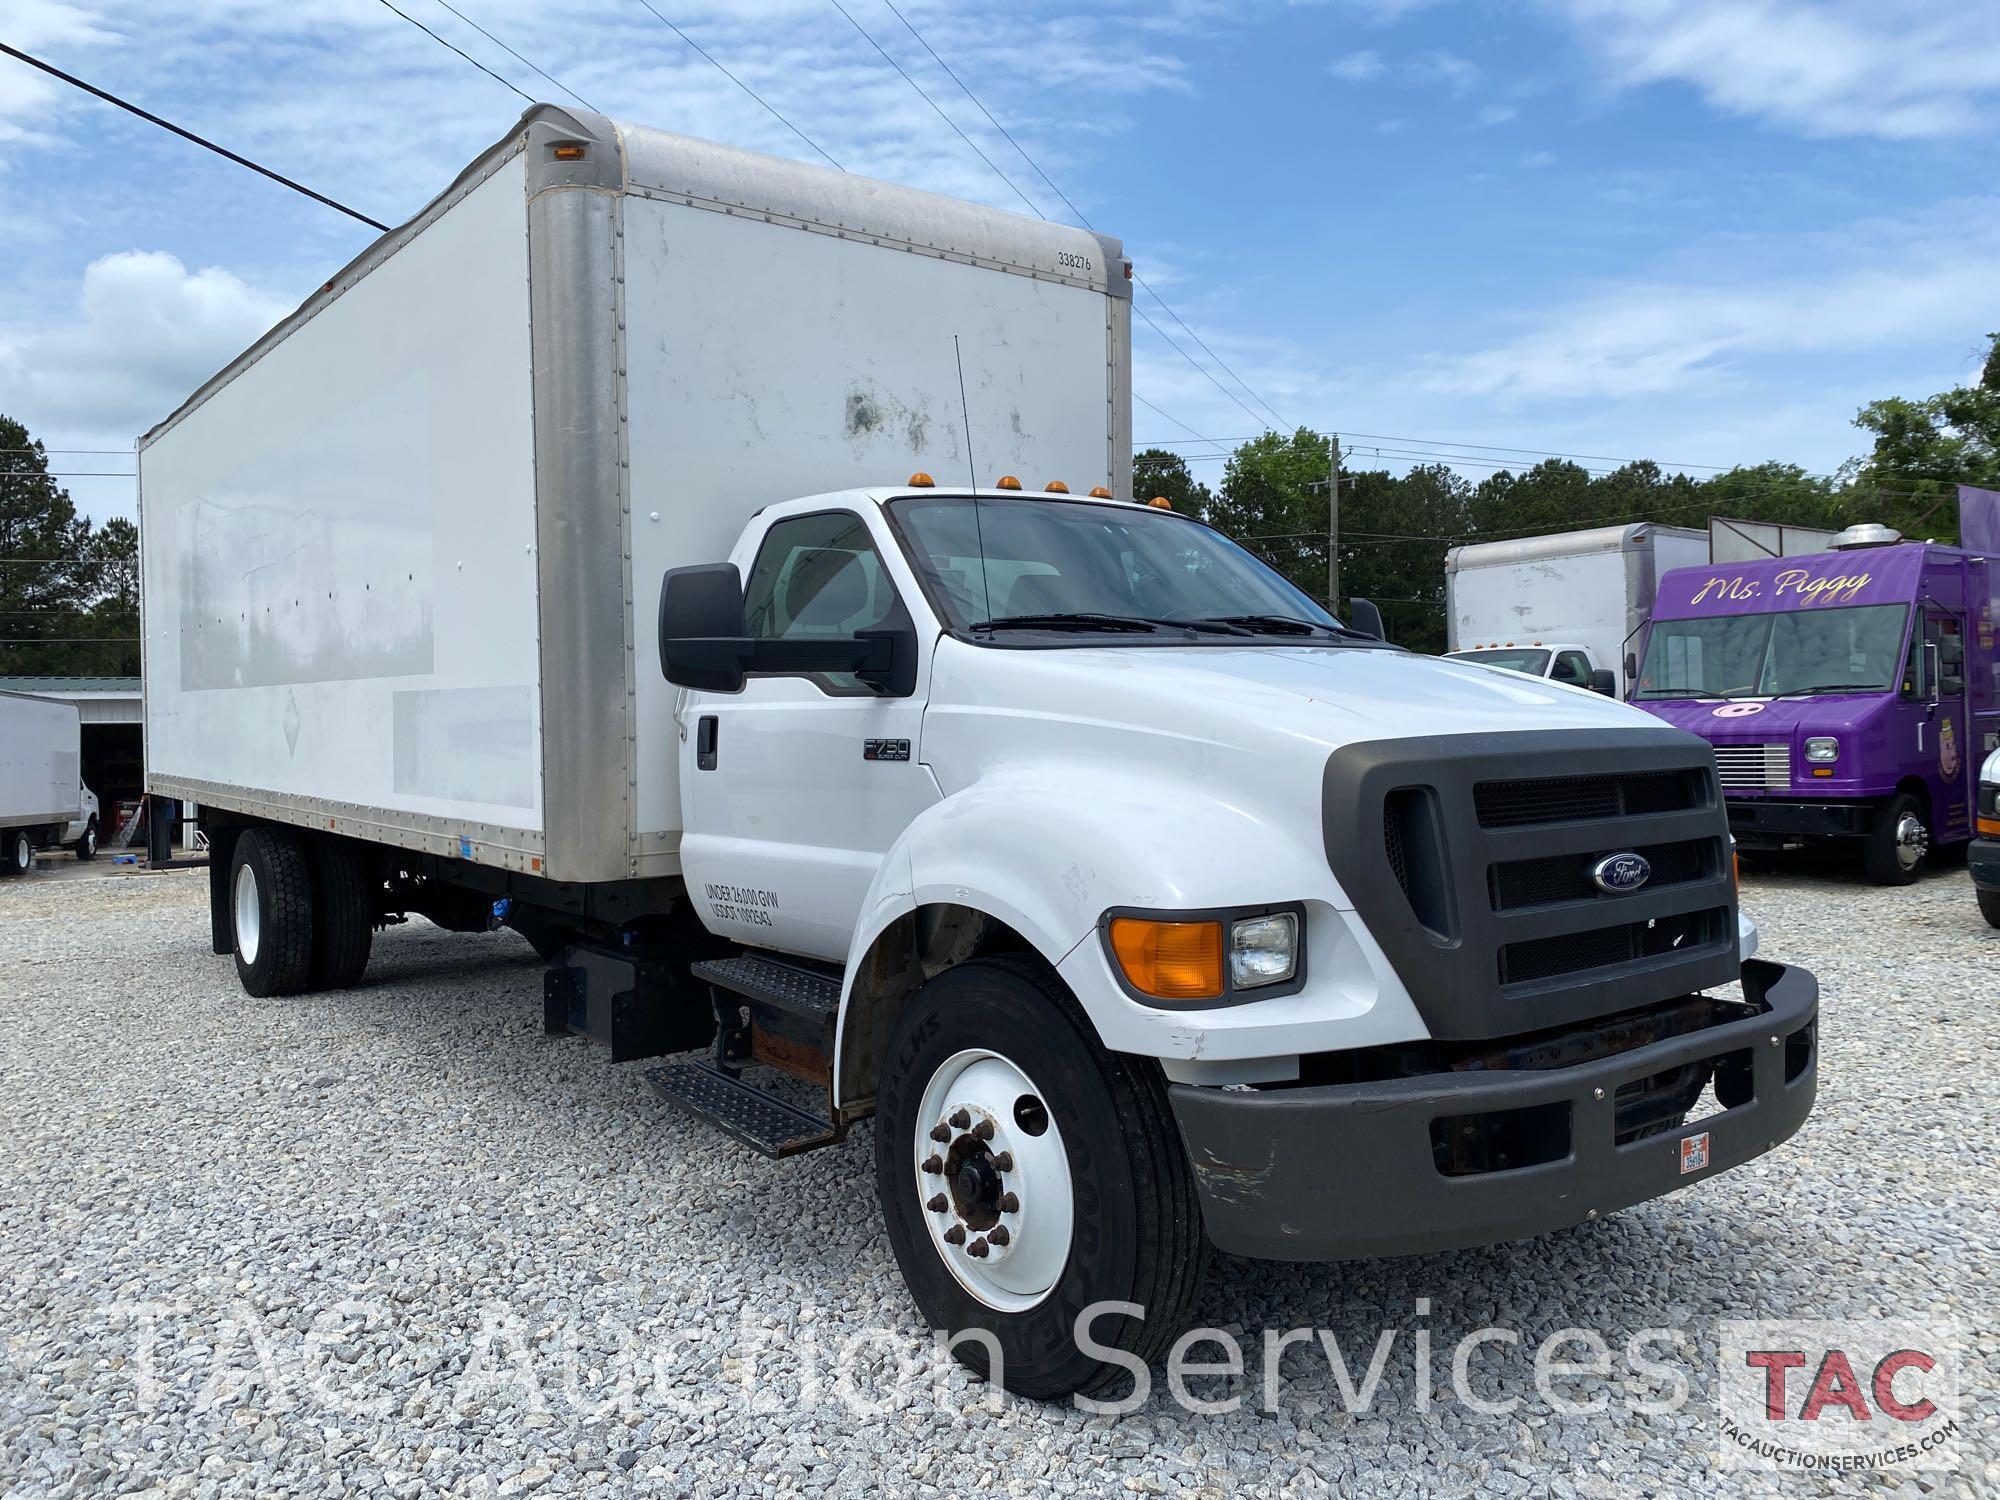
[[1497, 114], [1898, 69], [1659, 336], [1447, 70], [1538, 159], [1357, 67], [145, 331]]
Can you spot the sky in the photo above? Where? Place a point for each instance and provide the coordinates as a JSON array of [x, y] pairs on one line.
[[1701, 231]]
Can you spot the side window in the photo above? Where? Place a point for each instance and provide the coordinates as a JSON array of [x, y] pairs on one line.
[[1572, 667], [1916, 668], [817, 576]]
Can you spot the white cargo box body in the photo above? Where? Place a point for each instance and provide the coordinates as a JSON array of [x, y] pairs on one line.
[[1583, 588], [402, 557], [41, 745]]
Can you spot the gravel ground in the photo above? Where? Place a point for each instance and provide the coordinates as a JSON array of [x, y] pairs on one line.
[[397, 1241]]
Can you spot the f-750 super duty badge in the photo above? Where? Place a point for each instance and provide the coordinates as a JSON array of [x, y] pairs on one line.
[[885, 749]]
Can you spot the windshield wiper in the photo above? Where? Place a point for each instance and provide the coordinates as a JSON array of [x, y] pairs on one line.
[[1070, 620], [1284, 625], [1835, 687], [1677, 693]]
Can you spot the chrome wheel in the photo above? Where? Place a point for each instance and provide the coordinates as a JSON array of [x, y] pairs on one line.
[[1913, 841], [994, 1180], [249, 914]]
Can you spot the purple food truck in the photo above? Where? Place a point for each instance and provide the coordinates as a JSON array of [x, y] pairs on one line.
[[1851, 694]]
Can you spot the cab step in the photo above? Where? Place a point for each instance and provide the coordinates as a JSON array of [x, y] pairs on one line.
[[799, 986], [761, 1121]]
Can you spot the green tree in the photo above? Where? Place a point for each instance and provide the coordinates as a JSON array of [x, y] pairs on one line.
[[1924, 449], [1155, 471], [69, 594]]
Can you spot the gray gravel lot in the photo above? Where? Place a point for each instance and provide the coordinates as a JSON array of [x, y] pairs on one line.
[[396, 1241]]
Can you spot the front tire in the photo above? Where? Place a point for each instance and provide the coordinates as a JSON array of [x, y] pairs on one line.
[[17, 852], [270, 894], [1058, 1180], [1898, 843], [86, 847], [1989, 907]]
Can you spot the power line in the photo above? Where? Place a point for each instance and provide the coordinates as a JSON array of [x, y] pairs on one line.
[[1082, 218], [75, 452], [515, 55], [1206, 372], [935, 106], [152, 119], [388, 5], [704, 55], [1176, 421], [60, 474], [1497, 448]]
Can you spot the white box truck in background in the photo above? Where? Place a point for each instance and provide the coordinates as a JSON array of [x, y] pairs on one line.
[[555, 565], [43, 801], [1564, 606]]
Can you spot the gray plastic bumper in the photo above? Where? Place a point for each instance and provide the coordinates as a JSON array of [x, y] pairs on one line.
[[1348, 1171]]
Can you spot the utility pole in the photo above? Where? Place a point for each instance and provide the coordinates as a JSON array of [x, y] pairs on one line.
[[1333, 523]]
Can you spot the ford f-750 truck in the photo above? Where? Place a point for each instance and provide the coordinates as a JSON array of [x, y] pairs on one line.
[[555, 566]]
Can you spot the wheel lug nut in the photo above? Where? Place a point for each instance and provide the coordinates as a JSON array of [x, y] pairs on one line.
[[961, 1119], [999, 1235], [1003, 1161], [955, 1235], [933, 1164], [977, 1249], [1009, 1204], [938, 1203], [983, 1130], [940, 1133]]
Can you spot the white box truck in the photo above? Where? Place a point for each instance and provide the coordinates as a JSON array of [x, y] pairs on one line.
[[43, 801], [1567, 606], [610, 552]]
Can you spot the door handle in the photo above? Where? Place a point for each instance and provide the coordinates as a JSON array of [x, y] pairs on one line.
[[704, 743]]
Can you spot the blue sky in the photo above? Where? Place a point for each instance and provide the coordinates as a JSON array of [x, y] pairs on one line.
[[1699, 230]]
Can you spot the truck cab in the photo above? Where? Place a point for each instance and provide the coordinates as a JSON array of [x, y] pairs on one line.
[[1569, 662], [1849, 695]]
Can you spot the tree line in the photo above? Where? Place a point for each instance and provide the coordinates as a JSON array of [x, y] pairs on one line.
[[1396, 528], [69, 589]]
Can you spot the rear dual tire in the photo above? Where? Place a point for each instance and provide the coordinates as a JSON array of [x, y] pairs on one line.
[[301, 914], [1092, 1185]]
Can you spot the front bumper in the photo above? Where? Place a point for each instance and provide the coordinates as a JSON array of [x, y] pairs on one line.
[[1754, 819], [1348, 1171], [1983, 859]]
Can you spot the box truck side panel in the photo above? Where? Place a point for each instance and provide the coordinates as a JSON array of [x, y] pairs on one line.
[[39, 761], [768, 361], [340, 553]]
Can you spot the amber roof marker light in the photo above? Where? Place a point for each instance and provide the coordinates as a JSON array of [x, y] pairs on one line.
[[1008, 482], [922, 481]]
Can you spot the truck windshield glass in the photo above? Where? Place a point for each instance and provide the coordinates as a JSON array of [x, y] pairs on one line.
[[1032, 560], [1853, 650], [1534, 663]]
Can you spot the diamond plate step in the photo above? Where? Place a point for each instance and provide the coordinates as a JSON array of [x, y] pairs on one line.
[[759, 1120], [812, 993]]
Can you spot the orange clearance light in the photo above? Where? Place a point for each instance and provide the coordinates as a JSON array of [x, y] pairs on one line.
[[1099, 492], [1170, 960], [1822, 770], [1055, 487], [1008, 482], [1988, 828], [1161, 502], [570, 151], [922, 481]]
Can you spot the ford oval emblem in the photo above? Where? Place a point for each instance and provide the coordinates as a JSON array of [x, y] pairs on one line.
[[1620, 873]]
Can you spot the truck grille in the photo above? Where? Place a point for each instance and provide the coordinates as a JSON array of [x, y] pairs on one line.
[[1755, 767], [1470, 858]]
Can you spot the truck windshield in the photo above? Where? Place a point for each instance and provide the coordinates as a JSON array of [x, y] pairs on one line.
[[1534, 663], [1853, 650], [1116, 572]]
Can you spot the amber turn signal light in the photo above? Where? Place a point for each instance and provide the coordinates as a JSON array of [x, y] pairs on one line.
[[1169, 960]]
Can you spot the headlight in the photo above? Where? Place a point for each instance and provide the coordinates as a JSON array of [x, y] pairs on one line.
[[1822, 748], [1263, 950], [1197, 956], [1990, 772]]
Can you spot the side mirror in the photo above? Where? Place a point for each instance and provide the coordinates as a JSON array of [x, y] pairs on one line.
[[1363, 616], [701, 627], [1603, 680], [1631, 666]]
